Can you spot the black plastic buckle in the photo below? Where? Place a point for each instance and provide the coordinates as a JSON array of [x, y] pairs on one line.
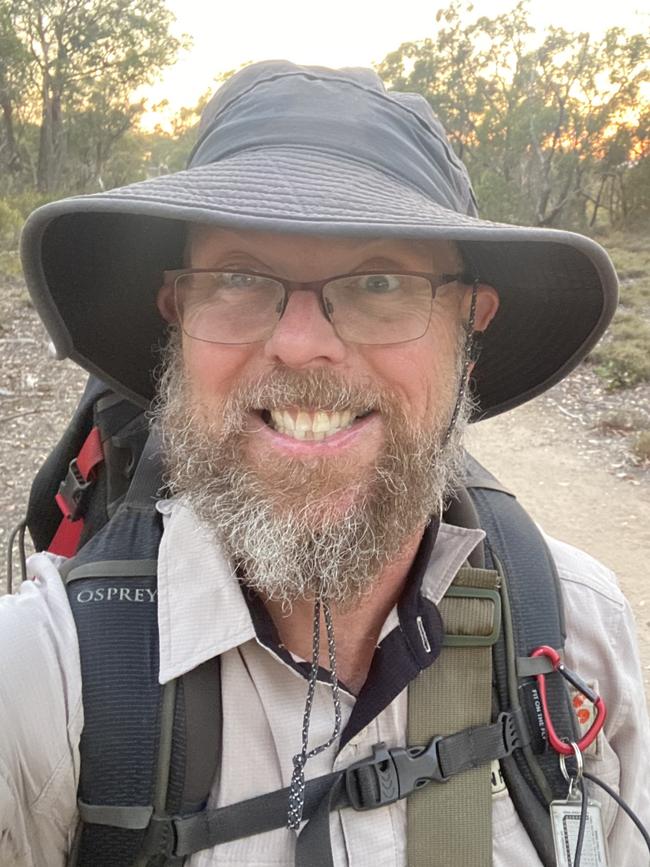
[[72, 490], [389, 775]]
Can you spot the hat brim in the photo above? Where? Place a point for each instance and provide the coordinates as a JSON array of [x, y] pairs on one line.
[[93, 264]]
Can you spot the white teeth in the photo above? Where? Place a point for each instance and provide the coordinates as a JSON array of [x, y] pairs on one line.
[[303, 424], [322, 422]]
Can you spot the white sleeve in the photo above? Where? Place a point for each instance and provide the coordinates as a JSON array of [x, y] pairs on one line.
[[40, 720], [602, 648]]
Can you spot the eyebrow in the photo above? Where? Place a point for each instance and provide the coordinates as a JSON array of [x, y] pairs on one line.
[[373, 263], [381, 262], [229, 255]]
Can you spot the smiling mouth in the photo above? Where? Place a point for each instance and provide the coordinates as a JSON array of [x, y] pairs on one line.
[[307, 424]]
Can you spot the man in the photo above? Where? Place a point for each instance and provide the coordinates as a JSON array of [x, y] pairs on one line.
[[328, 285]]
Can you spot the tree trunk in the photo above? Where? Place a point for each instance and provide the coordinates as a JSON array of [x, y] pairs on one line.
[[50, 149], [13, 159], [603, 180]]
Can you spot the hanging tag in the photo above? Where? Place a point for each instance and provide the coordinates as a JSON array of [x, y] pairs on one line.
[[565, 819]]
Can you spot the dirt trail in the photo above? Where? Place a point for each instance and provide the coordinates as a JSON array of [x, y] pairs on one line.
[[536, 452]]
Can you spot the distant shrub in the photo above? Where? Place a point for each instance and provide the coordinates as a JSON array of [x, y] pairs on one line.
[[10, 266], [29, 200], [11, 222], [623, 365], [622, 358]]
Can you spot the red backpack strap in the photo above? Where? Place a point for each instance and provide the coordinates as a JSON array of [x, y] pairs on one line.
[[71, 495]]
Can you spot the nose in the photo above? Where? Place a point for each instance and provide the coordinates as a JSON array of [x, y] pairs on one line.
[[304, 335]]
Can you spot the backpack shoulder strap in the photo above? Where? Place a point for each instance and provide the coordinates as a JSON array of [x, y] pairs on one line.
[[454, 820], [532, 616], [139, 763]]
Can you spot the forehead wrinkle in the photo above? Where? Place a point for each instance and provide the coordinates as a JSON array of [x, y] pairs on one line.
[[381, 262], [234, 255], [343, 246]]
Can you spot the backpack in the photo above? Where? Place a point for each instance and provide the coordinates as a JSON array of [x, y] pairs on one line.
[[149, 754]]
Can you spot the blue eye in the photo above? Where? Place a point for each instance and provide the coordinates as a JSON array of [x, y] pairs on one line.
[[236, 279], [379, 284]]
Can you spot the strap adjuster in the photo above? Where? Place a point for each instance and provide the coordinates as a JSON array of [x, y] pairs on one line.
[[70, 496], [160, 837], [389, 775]]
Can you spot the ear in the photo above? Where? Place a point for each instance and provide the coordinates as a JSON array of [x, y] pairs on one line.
[[166, 304], [487, 304]]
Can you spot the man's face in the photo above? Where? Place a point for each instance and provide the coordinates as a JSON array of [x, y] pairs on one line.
[[419, 373], [318, 431]]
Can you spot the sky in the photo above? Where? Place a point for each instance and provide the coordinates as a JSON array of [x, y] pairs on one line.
[[338, 33]]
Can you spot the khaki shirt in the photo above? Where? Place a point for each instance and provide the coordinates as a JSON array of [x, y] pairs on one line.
[[202, 612]]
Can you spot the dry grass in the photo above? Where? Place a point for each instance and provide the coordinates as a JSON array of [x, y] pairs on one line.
[[621, 421], [641, 447], [622, 358]]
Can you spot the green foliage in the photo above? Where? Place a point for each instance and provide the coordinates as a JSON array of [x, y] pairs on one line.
[[625, 362], [74, 66], [11, 222], [10, 267], [637, 184], [539, 123], [622, 358]]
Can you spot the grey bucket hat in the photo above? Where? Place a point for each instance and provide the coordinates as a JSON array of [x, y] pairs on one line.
[[310, 150]]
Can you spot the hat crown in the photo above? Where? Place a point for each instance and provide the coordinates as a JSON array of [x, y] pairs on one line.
[[347, 112]]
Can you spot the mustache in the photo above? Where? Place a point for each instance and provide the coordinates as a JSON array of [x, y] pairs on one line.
[[319, 389]]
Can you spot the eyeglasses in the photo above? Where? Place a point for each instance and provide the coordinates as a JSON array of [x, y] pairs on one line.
[[245, 307]]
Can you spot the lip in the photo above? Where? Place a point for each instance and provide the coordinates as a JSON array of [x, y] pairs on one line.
[[338, 442]]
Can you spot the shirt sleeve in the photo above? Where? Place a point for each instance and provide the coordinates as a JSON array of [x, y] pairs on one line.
[[40, 720], [602, 648]]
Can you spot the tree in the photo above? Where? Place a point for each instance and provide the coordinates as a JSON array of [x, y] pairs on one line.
[[87, 56], [14, 63], [531, 122]]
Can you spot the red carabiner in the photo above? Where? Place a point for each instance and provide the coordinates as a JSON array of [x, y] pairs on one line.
[[559, 746]]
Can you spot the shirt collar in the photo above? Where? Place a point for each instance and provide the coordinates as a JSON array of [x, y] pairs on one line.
[[201, 608]]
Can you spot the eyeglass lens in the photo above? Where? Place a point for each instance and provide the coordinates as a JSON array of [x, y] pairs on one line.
[[227, 307]]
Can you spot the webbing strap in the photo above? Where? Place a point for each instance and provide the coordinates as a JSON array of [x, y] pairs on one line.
[[381, 779], [147, 479], [534, 603], [452, 823], [79, 478]]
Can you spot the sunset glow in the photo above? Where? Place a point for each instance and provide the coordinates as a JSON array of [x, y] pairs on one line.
[[339, 33]]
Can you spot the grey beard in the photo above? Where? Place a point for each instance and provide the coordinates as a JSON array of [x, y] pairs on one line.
[[282, 524]]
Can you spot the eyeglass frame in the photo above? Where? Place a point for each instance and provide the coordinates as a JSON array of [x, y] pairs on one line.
[[466, 278]]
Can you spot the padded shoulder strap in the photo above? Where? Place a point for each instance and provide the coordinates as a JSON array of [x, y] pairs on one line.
[[532, 607], [138, 760]]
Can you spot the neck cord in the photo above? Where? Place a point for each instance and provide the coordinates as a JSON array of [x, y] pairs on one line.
[[297, 788]]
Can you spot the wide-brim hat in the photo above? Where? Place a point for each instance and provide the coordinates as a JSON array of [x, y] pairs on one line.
[[309, 150]]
